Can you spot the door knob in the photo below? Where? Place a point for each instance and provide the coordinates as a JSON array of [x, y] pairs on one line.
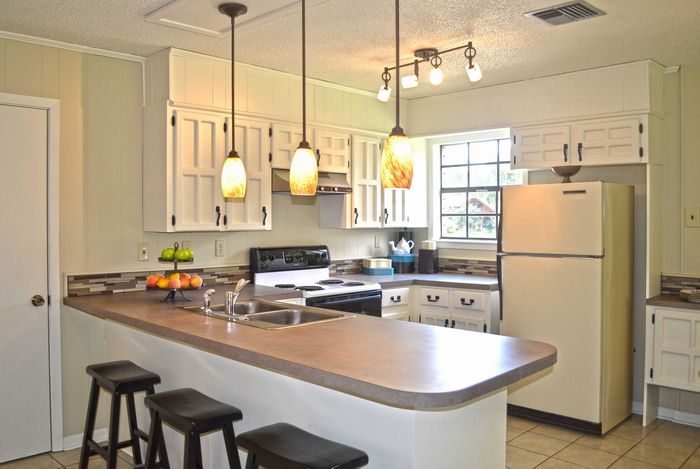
[[38, 300]]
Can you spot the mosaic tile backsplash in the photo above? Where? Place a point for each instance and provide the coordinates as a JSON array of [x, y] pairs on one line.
[[118, 282], [673, 284]]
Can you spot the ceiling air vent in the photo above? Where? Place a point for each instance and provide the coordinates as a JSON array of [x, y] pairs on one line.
[[566, 13]]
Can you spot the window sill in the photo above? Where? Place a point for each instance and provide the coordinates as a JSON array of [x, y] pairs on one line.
[[475, 245]]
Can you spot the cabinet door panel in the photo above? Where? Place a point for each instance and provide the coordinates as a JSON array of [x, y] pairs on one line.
[[435, 318], [468, 323], [254, 211], [675, 350], [366, 185], [199, 152], [285, 140], [607, 142], [334, 150], [541, 147]]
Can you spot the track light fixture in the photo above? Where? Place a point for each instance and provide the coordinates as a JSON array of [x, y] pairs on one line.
[[434, 56]]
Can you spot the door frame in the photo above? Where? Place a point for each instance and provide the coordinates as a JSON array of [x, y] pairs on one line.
[[52, 108]]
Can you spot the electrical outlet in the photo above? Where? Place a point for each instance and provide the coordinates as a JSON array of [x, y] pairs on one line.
[[376, 241], [692, 217], [219, 248], [186, 245], [142, 253]]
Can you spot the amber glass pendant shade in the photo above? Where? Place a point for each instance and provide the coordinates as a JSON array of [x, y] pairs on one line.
[[397, 162], [233, 177], [303, 173]]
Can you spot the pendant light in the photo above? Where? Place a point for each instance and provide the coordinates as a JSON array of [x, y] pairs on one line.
[[233, 177], [397, 159], [303, 172]]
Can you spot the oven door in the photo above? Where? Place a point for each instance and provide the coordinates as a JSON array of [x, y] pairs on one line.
[[368, 302]]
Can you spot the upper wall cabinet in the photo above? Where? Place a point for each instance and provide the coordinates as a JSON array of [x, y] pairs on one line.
[[332, 147], [285, 140]]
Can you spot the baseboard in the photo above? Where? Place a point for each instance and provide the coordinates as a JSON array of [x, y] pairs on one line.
[[76, 441], [678, 416]]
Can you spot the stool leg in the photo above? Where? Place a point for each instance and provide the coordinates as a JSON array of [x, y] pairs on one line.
[[162, 452], [197, 445], [251, 463], [89, 424], [133, 425], [190, 460], [113, 439], [234, 461], [154, 442]]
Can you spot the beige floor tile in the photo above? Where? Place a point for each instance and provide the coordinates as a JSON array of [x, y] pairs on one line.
[[632, 429], [539, 443], [517, 422], [67, 457], [97, 462], [512, 432], [608, 443], [42, 461], [557, 432], [678, 432], [672, 442], [693, 462], [660, 456], [553, 463], [587, 457], [627, 463], [517, 458]]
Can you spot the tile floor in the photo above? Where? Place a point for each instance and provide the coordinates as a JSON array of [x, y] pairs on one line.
[[529, 445]]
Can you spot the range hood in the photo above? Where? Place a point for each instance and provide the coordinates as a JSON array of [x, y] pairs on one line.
[[328, 183]]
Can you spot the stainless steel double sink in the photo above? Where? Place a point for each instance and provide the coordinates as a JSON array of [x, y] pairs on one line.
[[266, 315]]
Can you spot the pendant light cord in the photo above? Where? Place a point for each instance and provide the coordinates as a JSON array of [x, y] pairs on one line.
[[303, 68], [233, 79], [398, 87]]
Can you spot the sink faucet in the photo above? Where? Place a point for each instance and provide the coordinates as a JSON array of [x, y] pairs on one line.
[[207, 300]]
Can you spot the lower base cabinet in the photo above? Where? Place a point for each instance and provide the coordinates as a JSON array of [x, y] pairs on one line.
[[396, 304], [470, 310]]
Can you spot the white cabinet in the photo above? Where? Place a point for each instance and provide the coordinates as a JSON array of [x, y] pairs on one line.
[[254, 212], [285, 140], [396, 303], [473, 310], [332, 149], [594, 142], [366, 194]]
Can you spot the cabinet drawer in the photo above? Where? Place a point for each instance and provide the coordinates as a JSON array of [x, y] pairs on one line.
[[468, 299], [434, 297], [395, 297]]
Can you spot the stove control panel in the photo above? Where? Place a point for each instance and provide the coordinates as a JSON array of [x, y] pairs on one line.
[[288, 258]]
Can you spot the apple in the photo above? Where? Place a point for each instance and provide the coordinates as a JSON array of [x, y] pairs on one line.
[[190, 254], [185, 280], [152, 281], [196, 281], [163, 283], [174, 275], [182, 255], [167, 254], [174, 283]]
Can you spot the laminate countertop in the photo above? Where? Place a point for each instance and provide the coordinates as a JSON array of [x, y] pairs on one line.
[[396, 363], [471, 282], [672, 301]]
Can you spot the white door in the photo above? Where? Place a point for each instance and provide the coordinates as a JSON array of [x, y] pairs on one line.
[[254, 212], [553, 219], [25, 426], [607, 142], [366, 185], [557, 300], [332, 149], [285, 140], [541, 147]]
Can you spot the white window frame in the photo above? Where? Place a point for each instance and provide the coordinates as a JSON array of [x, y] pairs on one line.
[[434, 231]]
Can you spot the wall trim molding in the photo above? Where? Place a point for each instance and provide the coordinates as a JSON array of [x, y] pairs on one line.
[[677, 416], [76, 441]]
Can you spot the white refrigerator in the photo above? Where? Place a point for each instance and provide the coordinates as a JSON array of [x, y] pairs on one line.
[[566, 277]]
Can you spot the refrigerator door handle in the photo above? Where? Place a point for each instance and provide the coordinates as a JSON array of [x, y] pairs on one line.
[[499, 273], [579, 191]]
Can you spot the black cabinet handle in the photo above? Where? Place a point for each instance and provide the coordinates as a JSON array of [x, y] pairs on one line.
[[357, 214], [580, 148], [484, 327], [464, 303], [264, 210], [218, 215], [453, 324], [566, 149], [396, 299], [318, 157], [225, 220], [447, 323], [386, 216], [430, 298]]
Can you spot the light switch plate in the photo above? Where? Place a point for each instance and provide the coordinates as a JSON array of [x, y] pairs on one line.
[[692, 217], [142, 251], [219, 248]]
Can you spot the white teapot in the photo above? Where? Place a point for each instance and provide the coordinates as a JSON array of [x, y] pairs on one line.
[[404, 247]]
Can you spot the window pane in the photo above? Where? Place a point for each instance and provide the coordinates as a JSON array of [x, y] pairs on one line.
[[504, 149], [482, 176], [482, 227], [454, 227], [510, 177], [454, 177], [482, 202], [483, 152], [454, 154], [455, 202]]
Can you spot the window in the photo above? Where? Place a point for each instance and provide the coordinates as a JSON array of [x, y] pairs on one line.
[[471, 174]]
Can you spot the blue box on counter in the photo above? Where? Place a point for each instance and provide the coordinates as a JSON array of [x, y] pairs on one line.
[[378, 270], [403, 263]]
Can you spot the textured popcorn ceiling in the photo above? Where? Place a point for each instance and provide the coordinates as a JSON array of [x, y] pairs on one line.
[[350, 41]]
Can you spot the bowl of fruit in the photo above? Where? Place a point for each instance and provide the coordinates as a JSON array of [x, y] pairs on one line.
[[175, 282], [175, 254]]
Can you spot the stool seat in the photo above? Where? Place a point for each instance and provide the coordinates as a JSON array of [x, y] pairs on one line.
[[122, 376], [282, 445]]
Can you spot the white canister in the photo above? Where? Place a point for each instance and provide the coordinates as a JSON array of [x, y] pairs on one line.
[[429, 244]]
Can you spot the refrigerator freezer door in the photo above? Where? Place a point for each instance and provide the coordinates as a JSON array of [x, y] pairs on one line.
[[557, 300], [553, 219]]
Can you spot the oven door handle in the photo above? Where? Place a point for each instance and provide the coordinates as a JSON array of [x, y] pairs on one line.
[[342, 299]]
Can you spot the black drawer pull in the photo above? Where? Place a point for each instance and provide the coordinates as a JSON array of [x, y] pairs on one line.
[[464, 303], [430, 298], [447, 323], [484, 327], [395, 299]]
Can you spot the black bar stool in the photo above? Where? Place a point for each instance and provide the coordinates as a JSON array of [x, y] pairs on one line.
[[194, 414], [118, 378], [284, 446]]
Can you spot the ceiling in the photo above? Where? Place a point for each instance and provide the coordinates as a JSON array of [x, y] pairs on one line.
[[350, 42]]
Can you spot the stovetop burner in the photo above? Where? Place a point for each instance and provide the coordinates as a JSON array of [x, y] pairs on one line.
[[309, 287], [330, 281], [353, 284], [285, 285]]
